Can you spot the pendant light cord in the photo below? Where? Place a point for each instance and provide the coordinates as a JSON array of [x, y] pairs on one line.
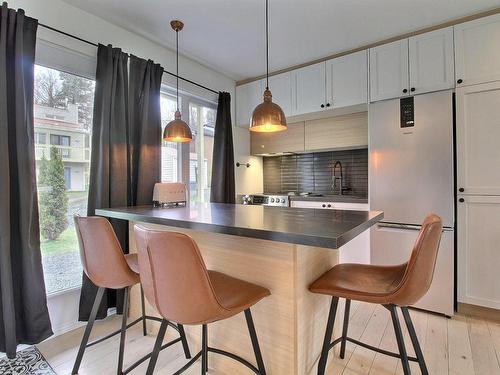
[[177, 53], [267, 44]]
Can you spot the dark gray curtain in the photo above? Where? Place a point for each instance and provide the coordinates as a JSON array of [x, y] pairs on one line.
[[223, 187], [145, 128], [24, 316], [126, 148], [109, 165]]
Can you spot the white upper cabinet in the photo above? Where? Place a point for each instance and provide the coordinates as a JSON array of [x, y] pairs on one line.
[[248, 96], [281, 88], [478, 135], [431, 61], [308, 89], [347, 80], [389, 70], [477, 51]]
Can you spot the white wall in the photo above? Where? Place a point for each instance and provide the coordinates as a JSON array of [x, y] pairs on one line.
[[72, 20], [248, 180]]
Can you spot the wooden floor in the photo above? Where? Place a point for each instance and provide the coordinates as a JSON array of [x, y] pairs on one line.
[[459, 346]]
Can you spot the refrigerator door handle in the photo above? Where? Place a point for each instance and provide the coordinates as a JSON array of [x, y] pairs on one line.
[[407, 227], [399, 226]]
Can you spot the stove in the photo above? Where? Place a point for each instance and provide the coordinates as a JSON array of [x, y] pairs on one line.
[[266, 200]]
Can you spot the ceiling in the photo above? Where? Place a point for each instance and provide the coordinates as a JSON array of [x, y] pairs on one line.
[[228, 35]]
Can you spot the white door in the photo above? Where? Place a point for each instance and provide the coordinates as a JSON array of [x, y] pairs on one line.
[[478, 139], [477, 52], [431, 61], [347, 80], [281, 88], [248, 96], [389, 70], [392, 245], [308, 88], [478, 227]]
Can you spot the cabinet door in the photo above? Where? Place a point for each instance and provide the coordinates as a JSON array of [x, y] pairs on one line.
[[347, 80], [477, 56], [350, 131], [308, 89], [281, 88], [389, 70], [478, 230], [248, 96], [289, 140], [431, 61], [478, 135]]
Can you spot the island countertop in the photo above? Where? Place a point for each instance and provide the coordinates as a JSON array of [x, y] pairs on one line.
[[320, 228]]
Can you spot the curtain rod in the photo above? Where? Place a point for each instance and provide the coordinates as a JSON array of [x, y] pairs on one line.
[[96, 45]]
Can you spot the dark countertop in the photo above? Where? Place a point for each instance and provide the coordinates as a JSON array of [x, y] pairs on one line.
[[330, 198], [321, 228]]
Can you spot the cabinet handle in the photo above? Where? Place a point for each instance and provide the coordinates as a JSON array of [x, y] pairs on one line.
[[405, 91], [324, 205], [328, 104], [329, 206], [322, 106], [412, 89], [461, 190], [461, 200], [459, 81]]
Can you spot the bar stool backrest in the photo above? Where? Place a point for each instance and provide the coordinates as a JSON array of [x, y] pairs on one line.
[[174, 277], [420, 268], [102, 257]]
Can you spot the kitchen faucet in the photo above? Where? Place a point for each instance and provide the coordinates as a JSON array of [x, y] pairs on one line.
[[336, 177]]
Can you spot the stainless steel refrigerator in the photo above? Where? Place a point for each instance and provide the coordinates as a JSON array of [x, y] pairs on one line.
[[411, 175]]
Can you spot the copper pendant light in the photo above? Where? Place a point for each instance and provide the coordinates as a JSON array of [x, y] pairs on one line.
[[268, 116], [177, 130]]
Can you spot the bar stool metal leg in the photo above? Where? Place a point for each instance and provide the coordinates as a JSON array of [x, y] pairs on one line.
[[328, 336], [143, 309], [399, 339], [255, 342], [157, 347], [344, 328], [123, 331], [88, 329], [204, 349], [185, 345], [414, 341]]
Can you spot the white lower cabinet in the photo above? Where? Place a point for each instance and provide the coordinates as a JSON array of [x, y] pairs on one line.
[[478, 228], [358, 249]]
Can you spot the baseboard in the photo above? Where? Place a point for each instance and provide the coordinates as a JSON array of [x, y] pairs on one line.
[[479, 311]]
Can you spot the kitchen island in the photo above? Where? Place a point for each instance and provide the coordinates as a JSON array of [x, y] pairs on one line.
[[282, 249]]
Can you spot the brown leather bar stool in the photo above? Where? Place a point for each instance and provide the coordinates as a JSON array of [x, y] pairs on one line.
[[177, 283], [107, 266], [391, 286]]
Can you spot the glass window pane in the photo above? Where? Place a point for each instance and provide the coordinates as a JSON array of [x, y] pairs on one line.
[[169, 150], [202, 123], [63, 116]]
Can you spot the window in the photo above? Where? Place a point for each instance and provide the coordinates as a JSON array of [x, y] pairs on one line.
[[200, 114], [60, 140], [169, 150], [62, 184], [40, 138], [202, 122]]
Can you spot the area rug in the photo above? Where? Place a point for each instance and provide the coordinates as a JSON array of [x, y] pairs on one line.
[[27, 362]]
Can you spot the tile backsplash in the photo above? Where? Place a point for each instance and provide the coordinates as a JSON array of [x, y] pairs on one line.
[[313, 172]]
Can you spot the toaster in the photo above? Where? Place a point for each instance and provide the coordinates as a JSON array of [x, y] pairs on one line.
[[169, 194]]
